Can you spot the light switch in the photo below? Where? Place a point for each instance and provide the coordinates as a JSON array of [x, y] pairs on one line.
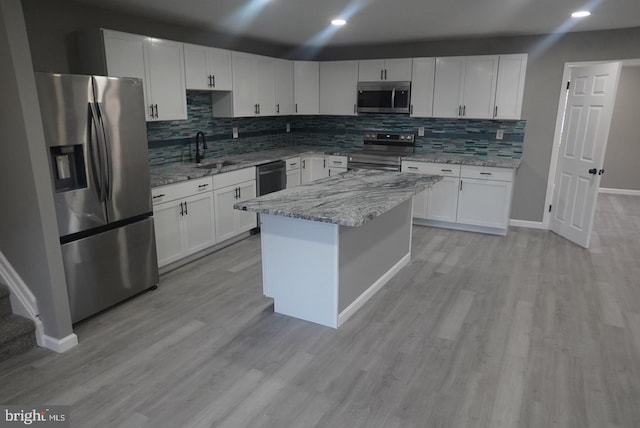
[[499, 134], [421, 131], [235, 132]]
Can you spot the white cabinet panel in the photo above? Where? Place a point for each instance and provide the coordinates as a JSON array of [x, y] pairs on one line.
[[484, 203], [305, 170], [306, 78], [338, 87], [447, 96], [422, 85], [371, 70], [510, 86], [393, 70], [207, 69], [442, 200], [229, 221], [293, 178], [420, 205], [319, 167], [198, 222], [167, 224], [265, 87], [166, 79], [225, 215], [479, 85], [246, 220], [244, 102], [284, 88]]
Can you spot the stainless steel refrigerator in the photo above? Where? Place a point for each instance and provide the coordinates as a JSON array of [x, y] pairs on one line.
[[96, 138]]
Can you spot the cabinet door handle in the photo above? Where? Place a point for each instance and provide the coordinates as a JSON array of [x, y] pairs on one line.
[[464, 110], [156, 111], [445, 170], [159, 196], [239, 192], [213, 80], [486, 173], [150, 110], [209, 78], [411, 109], [186, 208], [202, 186], [337, 162], [412, 167], [296, 107], [459, 110], [381, 74], [460, 184], [385, 74], [303, 164], [293, 164], [278, 108], [181, 209], [495, 112], [324, 163]]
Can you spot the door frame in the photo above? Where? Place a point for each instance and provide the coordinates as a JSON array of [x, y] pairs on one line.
[[557, 135]]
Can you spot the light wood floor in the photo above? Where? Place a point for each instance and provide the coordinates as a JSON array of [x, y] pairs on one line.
[[478, 331]]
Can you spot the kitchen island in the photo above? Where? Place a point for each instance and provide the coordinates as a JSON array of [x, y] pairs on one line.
[[329, 246]]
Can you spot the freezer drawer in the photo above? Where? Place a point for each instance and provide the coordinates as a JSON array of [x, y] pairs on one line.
[[109, 267]]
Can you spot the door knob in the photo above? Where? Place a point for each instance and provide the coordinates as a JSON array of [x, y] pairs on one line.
[[593, 171]]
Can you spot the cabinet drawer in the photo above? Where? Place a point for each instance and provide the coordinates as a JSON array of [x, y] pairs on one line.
[[293, 163], [444, 169], [337, 161], [181, 190], [234, 177], [487, 173]]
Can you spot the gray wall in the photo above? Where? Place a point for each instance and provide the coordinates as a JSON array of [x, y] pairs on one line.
[[623, 148], [28, 230], [51, 24], [547, 56]]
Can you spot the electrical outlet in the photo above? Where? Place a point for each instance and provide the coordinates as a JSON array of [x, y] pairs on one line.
[[288, 127], [421, 131], [499, 134], [235, 132]]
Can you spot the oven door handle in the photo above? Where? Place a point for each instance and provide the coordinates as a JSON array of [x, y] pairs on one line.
[[393, 98]]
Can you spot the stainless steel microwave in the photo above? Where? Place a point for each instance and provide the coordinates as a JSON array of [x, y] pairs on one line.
[[384, 97]]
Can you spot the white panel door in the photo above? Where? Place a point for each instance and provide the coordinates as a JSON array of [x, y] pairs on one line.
[[165, 65], [587, 119], [338, 87], [244, 104], [265, 88], [306, 79], [510, 86], [225, 215], [167, 223], [284, 87], [420, 205], [479, 91], [199, 222], [397, 70], [293, 178], [319, 167], [196, 67], [442, 200], [305, 170], [371, 70], [422, 80], [246, 220], [484, 202], [219, 67], [447, 95]]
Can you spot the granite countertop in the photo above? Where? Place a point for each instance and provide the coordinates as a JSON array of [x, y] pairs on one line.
[[461, 159], [348, 199], [163, 175]]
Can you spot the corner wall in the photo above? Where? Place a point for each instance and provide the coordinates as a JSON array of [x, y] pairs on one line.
[[28, 229]]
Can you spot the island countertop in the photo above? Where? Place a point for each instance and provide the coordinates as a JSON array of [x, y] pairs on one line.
[[348, 199]]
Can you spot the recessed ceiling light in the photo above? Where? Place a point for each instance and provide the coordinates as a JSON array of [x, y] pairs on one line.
[[338, 22], [580, 14]]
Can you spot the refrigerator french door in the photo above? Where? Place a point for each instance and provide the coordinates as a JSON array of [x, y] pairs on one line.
[[95, 132]]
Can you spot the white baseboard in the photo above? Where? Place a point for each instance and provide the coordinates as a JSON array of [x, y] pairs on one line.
[[528, 224], [373, 289], [57, 345], [619, 191]]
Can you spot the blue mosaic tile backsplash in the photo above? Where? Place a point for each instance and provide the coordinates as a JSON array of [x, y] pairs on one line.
[[173, 141]]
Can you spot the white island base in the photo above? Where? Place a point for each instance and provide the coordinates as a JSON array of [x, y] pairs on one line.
[[324, 272]]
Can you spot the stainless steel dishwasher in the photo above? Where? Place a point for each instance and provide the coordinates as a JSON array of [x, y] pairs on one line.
[[272, 177]]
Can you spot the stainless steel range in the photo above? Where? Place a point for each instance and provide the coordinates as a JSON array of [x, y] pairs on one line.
[[382, 150]]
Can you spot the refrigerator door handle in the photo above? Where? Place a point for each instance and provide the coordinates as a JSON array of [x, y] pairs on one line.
[[107, 161], [96, 153]]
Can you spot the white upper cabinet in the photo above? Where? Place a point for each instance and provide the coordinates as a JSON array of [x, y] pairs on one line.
[[254, 88], [338, 87], [423, 76], [374, 70], [284, 87], [207, 69], [159, 63], [306, 82], [465, 87], [510, 86]]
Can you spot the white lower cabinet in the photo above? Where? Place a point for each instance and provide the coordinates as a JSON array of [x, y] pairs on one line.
[[313, 168], [230, 188], [484, 203], [468, 197], [183, 219], [293, 172]]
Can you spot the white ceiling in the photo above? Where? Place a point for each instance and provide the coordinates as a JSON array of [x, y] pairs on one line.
[[298, 22]]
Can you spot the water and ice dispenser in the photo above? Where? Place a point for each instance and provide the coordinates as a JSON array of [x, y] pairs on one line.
[[68, 166]]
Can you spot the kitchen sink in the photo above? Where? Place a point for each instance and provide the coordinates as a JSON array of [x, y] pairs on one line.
[[217, 165]]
